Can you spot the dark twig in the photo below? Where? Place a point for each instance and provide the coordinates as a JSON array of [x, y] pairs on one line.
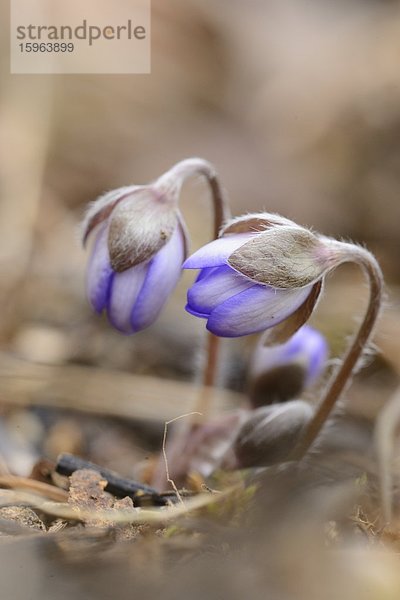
[[140, 493]]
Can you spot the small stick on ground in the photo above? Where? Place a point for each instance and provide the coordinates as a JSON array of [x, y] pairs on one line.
[[385, 435], [119, 486]]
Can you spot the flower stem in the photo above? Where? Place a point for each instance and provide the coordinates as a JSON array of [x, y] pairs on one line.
[[178, 454], [198, 166], [221, 214], [220, 204], [202, 404], [341, 377], [180, 172]]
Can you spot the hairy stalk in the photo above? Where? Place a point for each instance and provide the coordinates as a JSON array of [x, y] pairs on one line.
[[221, 214], [202, 404], [198, 166], [188, 168], [178, 444], [342, 376]]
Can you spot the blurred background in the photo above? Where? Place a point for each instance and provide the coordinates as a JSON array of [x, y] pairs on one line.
[[297, 104]]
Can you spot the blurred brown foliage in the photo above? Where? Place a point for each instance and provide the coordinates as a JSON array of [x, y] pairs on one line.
[[297, 104]]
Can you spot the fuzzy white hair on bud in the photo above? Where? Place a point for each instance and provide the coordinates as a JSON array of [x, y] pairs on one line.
[[139, 228], [254, 222], [270, 433], [282, 257], [99, 210]]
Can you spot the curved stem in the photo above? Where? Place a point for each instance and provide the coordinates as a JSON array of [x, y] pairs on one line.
[[178, 456], [221, 208], [221, 214], [340, 379], [173, 179]]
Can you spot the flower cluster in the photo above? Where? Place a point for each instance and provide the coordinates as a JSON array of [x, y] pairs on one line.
[[276, 419], [262, 273], [263, 270]]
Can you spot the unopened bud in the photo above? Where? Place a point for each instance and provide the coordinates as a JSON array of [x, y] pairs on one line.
[[264, 272], [139, 227], [279, 373], [270, 434]]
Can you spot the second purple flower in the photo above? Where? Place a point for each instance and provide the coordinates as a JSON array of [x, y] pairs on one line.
[[233, 304], [138, 249]]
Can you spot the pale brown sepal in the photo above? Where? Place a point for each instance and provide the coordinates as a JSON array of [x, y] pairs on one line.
[[139, 229], [101, 209], [283, 332], [282, 257]]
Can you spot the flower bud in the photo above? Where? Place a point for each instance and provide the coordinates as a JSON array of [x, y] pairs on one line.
[[270, 434], [263, 273], [228, 295], [139, 227], [279, 373], [139, 247]]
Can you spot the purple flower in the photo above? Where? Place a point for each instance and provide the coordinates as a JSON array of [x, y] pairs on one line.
[[140, 244], [280, 373], [134, 297], [306, 349], [264, 272], [138, 249], [234, 304]]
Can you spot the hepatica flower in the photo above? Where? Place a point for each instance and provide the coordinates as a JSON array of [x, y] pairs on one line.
[[139, 246], [266, 273], [131, 275], [307, 349], [263, 272], [282, 372], [255, 276], [140, 243]]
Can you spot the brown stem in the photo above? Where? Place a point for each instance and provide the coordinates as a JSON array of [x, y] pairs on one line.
[[342, 376], [173, 179], [221, 214], [212, 354], [220, 203], [178, 458], [201, 408]]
